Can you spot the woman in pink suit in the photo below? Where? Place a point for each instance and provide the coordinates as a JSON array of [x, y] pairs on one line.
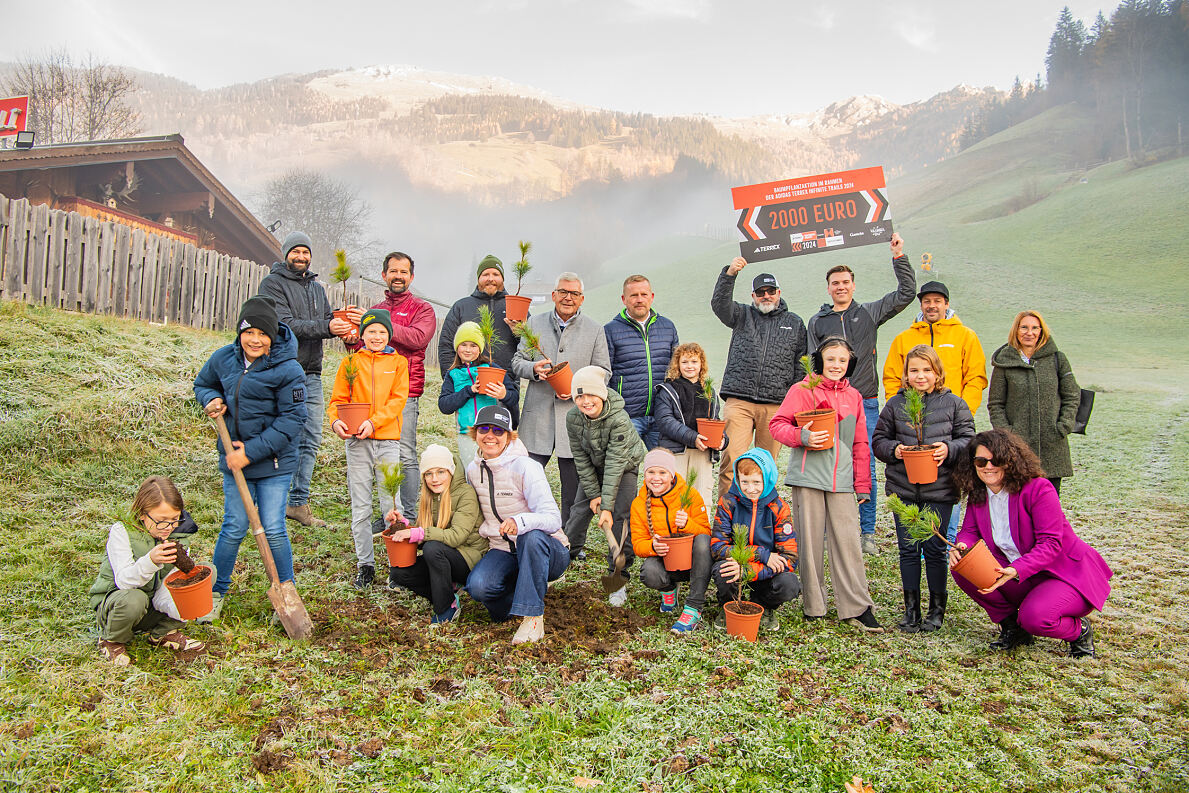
[[1049, 579]]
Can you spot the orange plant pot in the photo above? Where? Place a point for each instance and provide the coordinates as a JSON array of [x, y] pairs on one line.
[[920, 465], [681, 552], [400, 553], [743, 619], [192, 600], [978, 566], [353, 336], [821, 420], [559, 379], [713, 430], [516, 307], [354, 414], [486, 375]]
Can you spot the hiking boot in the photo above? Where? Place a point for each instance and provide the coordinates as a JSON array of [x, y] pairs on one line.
[[1083, 645], [216, 610], [451, 614], [868, 545], [912, 611], [1011, 635], [115, 652], [303, 515], [769, 620], [669, 601], [865, 622], [937, 602], [618, 598], [689, 619], [365, 576], [178, 642], [532, 629]]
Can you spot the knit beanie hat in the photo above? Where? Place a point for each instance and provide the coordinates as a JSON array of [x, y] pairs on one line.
[[437, 456], [468, 331], [660, 458], [293, 240], [490, 262], [258, 312], [374, 316], [590, 380]]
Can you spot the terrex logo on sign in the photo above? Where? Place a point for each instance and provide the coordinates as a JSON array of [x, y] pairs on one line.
[[13, 112]]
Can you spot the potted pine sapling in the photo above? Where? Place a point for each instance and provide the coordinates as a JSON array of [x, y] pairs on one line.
[[353, 414], [919, 462], [742, 616], [488, 374], [190, 585], [711, 428], [681, 544], [977, 565], [515, 306], [401, 553], [822, 417], [559, 375], [339, 275]]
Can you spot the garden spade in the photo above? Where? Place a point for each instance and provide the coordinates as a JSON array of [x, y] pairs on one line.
[[615, 581], [283, 595]]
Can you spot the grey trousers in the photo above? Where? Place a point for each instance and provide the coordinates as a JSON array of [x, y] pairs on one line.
[[127, 611], [829, 522], [411, 487], [363, 471]]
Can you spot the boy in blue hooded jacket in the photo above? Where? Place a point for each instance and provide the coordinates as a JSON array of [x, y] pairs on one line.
[[753, 503]]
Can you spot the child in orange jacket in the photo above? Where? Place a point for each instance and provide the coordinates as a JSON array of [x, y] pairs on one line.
[[376, 376], [657, 514]]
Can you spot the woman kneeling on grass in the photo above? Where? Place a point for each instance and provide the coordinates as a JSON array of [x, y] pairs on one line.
[[447, 527], [1049, 578], [522, 523], [129, 595], [658, 514]]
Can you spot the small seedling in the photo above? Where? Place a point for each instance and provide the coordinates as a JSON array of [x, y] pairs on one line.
[[342, 271], [350, 372], [487, 329], [686, 499], [742, 553], [708, 391], [914, 413], [921, 523], [392, 476], [812, 379], [531, 339], [522, 267]]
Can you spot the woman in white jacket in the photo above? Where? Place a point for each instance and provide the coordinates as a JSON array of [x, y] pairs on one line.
[[521, 522]]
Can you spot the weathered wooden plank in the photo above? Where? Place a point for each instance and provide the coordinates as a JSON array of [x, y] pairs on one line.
[[119, 271], [15, 258], [177, 273], [4, 210], [148, 281], [213, 282], [161, 285], [199, 288], [207, 305], [90, 264], [55, 260], [186, 293], [107, 255], [240, 274], [39, 229], [72, 267], [135, 272], [221, 287]]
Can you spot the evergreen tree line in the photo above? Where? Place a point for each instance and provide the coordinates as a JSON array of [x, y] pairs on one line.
[[1130, 71]]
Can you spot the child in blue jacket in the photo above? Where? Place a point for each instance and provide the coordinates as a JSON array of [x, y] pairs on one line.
[[461, 394]]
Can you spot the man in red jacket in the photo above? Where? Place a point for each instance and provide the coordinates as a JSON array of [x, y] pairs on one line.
[[413, 327]]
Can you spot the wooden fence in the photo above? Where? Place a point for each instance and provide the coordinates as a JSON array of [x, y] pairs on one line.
[[65, 260]]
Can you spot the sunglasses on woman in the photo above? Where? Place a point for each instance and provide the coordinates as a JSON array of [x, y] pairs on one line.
[[487, 429], [983, 462]]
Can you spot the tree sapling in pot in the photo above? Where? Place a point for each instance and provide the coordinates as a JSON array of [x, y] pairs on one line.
[[821, 418], [711, 428], [560, 375], [681, 544], [515, 306], [400, 553], [977, 564], [340, 275], [919, 462], [488, 374], [353, 414], [742, 616], [190, 585]]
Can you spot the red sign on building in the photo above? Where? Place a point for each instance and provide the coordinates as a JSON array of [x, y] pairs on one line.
[[13, 113]]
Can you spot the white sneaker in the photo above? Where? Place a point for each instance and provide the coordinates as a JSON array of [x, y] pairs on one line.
[[532, 629], [618, 598], [216, 610]]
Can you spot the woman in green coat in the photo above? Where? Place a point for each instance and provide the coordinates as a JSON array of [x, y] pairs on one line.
[[1034, 394]]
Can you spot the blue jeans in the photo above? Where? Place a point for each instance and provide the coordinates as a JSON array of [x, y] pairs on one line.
[[647, 430], [269, 495], [867, 511], [514, 583], [951, 532], [308, 443]]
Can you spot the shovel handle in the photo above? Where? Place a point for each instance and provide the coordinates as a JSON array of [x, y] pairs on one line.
[[249, 506]]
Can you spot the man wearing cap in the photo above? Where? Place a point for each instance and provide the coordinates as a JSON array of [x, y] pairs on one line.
[[413, 326], [763, 362], [489, 292], [640, 343], [302, 305], [859, 323]]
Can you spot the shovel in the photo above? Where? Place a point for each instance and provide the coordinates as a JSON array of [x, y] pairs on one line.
[[615, 581], [283, 595]]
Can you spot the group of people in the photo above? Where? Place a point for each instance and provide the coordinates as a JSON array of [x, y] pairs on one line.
[[488, 523]]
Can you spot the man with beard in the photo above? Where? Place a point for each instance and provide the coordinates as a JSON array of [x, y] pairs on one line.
[[302, 305], [489, 292], [763, 362], [413, 326]]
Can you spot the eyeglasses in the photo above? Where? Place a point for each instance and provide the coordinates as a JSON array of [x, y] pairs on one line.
[[983, 462], [764, 291], [487, 429], [164, 524], [564, 293]]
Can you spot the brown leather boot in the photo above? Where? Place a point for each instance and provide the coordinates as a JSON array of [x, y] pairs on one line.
[[304, 516]]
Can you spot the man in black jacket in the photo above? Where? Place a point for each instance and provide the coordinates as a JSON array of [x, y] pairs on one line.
[[858, 323], [763, 362], [302, 305]]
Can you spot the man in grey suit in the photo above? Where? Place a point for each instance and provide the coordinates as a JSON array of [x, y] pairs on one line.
[[566, 335]]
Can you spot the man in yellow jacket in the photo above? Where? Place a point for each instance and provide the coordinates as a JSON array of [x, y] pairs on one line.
[[956, 345]]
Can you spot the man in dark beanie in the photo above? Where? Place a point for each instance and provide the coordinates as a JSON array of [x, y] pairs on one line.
[[302, 305]]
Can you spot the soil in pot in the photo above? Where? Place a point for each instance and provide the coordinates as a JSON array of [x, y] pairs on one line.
[[680, 555], [743, 619], [919, 464], [559, 378], [183, 561], [516, 307], [191, 592], [713, 430], [978, 566], [354, 414], [400, 553], [489, 374], [822, 420]]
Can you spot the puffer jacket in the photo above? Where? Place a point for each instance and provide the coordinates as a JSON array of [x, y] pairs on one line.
[[413, 326], [383, 383], [859, 325], [462, 532], [768, 519], [1037, 400], [764, 359], [458, 398], [513, 485], [266, 403], [467, 310], [955, 344], [604, 448], [127, 565], [302, 305], [678, 429], [639, 358], [844, 467], [663, 511], [947, 420]]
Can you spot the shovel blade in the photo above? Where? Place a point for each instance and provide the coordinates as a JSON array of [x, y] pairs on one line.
[[290, 610]]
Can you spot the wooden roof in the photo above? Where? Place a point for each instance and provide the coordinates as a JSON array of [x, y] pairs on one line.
[[177, 174]]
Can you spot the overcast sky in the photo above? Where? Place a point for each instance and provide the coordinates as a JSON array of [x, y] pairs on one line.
[[660, 56]]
